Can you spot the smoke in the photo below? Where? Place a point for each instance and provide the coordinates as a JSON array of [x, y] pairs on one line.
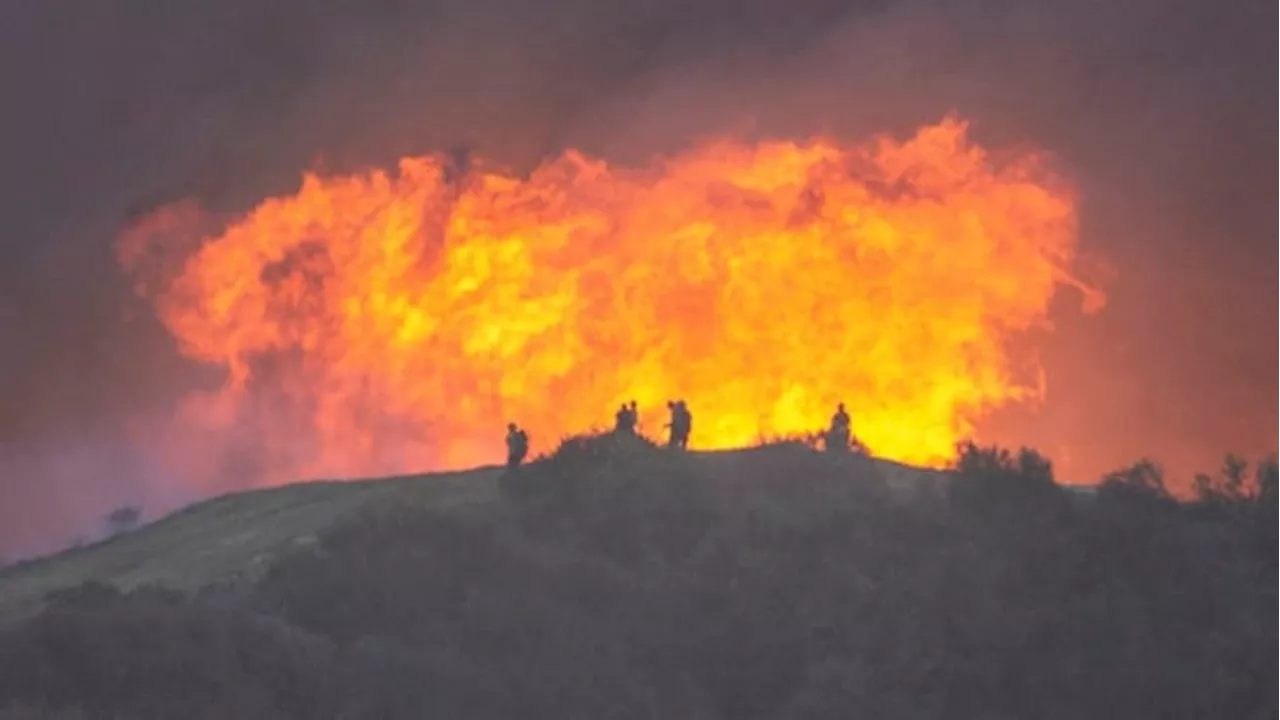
[[1160, 111], [71, 484]]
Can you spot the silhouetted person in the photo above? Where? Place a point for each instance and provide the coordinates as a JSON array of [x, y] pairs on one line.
[[621, 419], [517, 445], [838, 433], [684, 418], [841, 418], [626, 419], [673, 425]]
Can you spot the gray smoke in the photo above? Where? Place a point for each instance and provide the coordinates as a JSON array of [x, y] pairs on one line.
[[1160, 110]]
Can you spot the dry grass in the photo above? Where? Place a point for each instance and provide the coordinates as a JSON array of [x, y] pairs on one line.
[[229, 540]]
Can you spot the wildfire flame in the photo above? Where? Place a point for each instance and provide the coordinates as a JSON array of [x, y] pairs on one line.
[[386, 322]]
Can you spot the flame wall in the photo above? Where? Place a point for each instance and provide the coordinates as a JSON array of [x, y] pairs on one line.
[[387, 322]]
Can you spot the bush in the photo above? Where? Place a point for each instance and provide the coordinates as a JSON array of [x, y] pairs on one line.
[[123, 519], [621, 495], [149, 654], [1005, 491]]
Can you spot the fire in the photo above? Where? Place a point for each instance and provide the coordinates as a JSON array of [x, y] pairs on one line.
[[388, 322]]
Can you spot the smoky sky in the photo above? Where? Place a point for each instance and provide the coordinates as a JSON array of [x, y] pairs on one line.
[[1162, 112]]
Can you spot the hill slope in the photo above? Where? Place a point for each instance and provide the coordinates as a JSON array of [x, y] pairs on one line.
[[615, 579], [233, 538]]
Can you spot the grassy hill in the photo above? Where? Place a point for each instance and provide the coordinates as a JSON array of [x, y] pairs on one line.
[[618, 580], [231, 539]]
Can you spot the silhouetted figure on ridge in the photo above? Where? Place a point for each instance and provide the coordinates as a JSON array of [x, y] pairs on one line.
[[626, 419], [673, 425], [517, 445], [839, 432], [680, 425], [841, 418]]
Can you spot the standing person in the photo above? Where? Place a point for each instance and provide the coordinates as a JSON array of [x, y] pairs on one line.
[[673, 426], [517, 445], [838, 433], [685, 419], [626, 419]]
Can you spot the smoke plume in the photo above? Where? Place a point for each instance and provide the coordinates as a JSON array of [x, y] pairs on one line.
[[1158, 114]]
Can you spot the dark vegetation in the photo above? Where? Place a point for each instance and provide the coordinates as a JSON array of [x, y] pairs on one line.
[[618, 580], [123, 519]]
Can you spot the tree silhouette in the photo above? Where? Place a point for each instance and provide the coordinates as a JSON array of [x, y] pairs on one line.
[[123, 519]]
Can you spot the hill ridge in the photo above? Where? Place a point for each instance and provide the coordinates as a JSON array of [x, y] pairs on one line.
[[232, 537]]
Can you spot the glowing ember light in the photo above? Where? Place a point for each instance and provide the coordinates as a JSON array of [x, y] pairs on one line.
[[389, 322]]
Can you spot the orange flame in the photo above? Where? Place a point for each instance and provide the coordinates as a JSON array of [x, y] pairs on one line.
[[387, 322]]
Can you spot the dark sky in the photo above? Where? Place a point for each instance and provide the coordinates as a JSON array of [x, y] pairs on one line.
[[1162, 111]]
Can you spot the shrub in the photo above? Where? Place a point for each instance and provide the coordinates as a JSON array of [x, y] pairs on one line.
[[123, 519], [1003, 490], [149, 654]]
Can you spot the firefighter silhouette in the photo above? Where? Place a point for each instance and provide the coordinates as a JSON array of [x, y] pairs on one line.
[[626, 419], [673, 425], [680, 425], [839, 432], [517, 445]]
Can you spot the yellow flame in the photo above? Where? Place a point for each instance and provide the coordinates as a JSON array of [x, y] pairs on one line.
[[384, 322]]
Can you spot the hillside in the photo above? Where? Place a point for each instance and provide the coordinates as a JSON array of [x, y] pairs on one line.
[[233, 538], [229, 538], [615, 579]]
